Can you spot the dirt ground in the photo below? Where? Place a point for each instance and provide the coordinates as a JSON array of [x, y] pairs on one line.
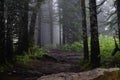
[[57, 61]]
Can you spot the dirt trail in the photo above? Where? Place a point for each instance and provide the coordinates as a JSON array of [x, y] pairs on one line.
[[57, 61]]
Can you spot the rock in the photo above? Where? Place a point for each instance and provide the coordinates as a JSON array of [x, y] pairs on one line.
[[87, 75]]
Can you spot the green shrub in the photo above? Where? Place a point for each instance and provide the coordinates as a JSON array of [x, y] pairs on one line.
[[74, 47], [111, 61], [26, 58], [107, 45], [5, 67], [36, 51], [84, 65], [23, 59]]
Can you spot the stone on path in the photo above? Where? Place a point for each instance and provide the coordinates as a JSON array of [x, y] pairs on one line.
[[87, 75]]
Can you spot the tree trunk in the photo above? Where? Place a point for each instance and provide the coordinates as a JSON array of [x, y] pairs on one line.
[[39, 29], [116, 49], [2, 33], [95, 50], [32, 24], [32, 29], [9, 39], [23, 29], [84, 29], [51, 20], [118, 16]]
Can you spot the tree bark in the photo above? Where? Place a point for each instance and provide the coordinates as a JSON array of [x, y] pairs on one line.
[[116, 49], [95, 50], [32, 24], [23, 29], [32, 29], [118, 18], [2, 33], [9, 31], [84, 29]]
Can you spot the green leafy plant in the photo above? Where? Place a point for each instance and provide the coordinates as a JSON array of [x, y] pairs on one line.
[[106, 45], [35, 51], [5, 67], [84, 65], [106, 48], [23, 59], [74, 47]]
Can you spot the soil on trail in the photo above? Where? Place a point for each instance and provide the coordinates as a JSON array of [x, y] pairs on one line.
[[56, 61]]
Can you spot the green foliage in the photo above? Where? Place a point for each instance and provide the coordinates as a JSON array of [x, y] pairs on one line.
[[26, 58], [49, 47], [2, 68], [6, 67], [74, 47], [23, 59], [36, 51], [84, 65], [111, 61], [107, 45]]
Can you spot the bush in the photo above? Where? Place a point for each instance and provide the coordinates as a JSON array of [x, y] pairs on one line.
[[106, 45], [6, 67], [111, 61], [26, 58], [74, 47], [106, 48], [23, 59], [36, 51]]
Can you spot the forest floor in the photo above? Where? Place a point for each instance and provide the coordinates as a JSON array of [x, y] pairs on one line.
[[57, 62]]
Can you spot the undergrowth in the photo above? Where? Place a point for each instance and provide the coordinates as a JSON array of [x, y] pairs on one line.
[[74, 47], [5, 67], [23, 59], [27, 57], [107, 45]]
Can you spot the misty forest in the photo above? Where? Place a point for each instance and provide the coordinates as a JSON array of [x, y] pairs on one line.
[[59, 39]]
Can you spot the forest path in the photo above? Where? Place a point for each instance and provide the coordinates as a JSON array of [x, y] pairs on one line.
[[55, 62]]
